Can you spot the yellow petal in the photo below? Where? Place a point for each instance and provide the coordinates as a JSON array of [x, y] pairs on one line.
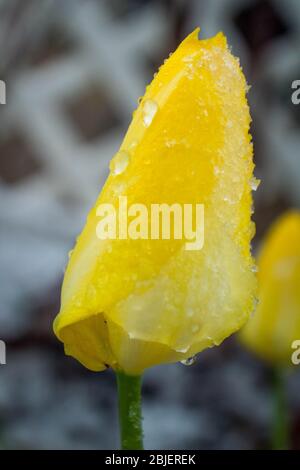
[[276, 323], [132, 303]]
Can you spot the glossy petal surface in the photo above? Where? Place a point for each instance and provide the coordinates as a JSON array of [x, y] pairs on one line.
[[132, 304]]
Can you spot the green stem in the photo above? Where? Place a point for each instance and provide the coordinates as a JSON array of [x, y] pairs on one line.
[[280, 428], [130, 411]]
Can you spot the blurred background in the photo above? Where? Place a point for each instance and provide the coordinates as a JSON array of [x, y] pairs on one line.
[[74, 70]]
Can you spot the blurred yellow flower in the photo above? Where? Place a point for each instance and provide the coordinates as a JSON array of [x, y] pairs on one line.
[[276, 323], [133, 303]]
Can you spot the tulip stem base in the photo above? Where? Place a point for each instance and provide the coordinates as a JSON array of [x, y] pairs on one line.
[[280, 434], [130, 411]]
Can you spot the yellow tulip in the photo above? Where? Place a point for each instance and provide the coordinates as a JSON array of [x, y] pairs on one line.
[[134, 303], [276, 323]]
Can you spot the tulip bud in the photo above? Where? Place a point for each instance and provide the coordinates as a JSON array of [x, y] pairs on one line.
[[131, 302], [276, 323]]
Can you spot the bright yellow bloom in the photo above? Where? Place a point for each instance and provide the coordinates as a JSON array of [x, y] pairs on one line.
[[131, 304], [276, 323]]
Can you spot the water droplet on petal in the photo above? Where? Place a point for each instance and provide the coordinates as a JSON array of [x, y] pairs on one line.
[[119, 188], [229, 200], [255, 305], [190, 312], [119, 163], [149, 110], [254, 183], [252, 229], [182, 350], [133, 144], [170, 143], [190, 361]]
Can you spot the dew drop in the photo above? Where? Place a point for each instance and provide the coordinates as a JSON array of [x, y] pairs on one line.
[[255, 305], [133, 144], [119, 188], [254, 183], [119, 163], [182, 350], [149, 110], [190, 361], [229, 200], [188, 58], [190, 71], [252, 229], [190, 312], [170, 143]]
